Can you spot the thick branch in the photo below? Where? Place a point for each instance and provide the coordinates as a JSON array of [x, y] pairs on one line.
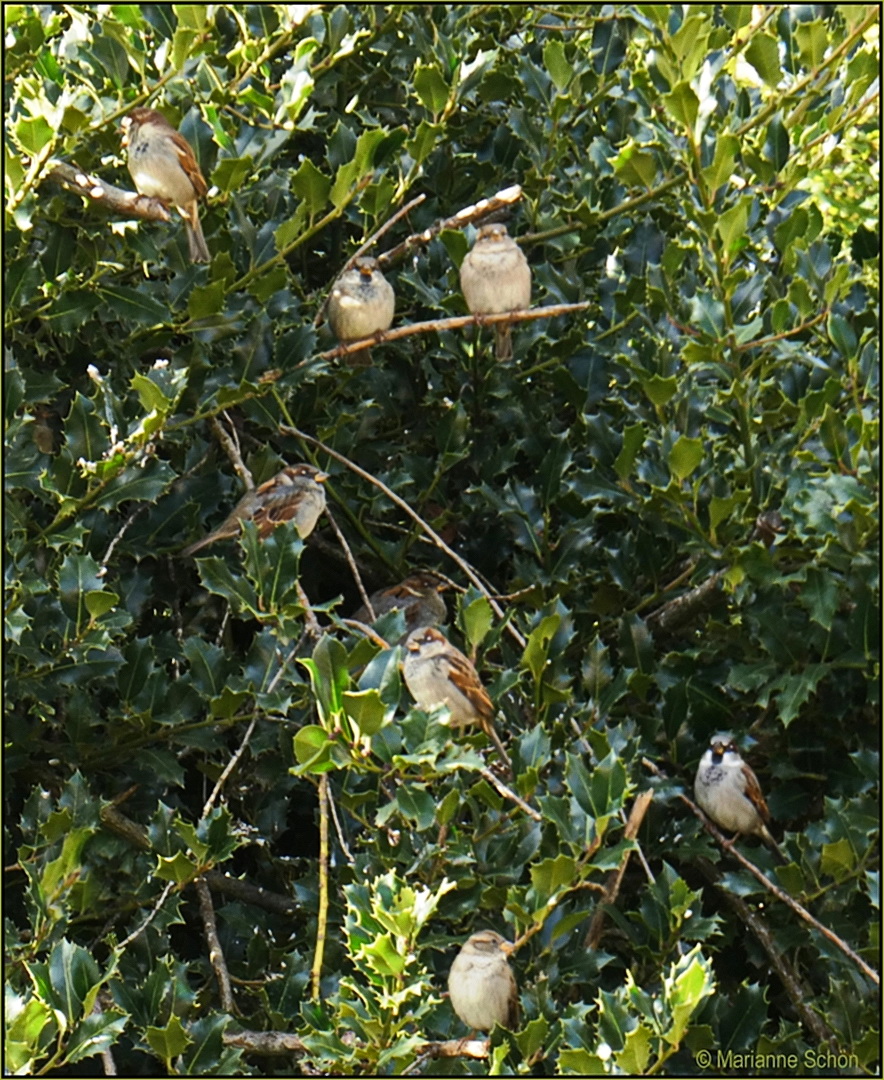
[[127, 204], [482, 209], [455, 323]]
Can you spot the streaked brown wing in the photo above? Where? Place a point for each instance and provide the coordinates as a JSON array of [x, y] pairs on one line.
[[464, 676], [753, 794]]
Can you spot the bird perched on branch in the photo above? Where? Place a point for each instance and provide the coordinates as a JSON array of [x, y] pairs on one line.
[[495, 277], [482, 985], [362, 301], [295, 494], [163, 166], [417, 597], [728, 791], [437, 673]]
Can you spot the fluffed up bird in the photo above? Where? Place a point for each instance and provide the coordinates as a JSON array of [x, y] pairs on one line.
[[728, 791], [495, 277], [163, 166]]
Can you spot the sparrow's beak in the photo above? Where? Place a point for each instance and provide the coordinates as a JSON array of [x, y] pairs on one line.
[[507, 948], [413, 647], [321, 477], [366, 271]]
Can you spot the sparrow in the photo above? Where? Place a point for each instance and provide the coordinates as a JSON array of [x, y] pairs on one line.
[[495, 277], [728, 791], [482, 985], [437, 673], [417, 597], [295, 494], [163, 167], [361, 302]]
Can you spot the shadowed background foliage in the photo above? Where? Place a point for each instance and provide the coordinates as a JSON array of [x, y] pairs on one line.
[[677, 489]]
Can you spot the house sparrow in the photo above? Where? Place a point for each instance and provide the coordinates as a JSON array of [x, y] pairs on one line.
[[163, 167], [436, 673], [495, 277], [361, 302], [728, 791], [417, 597], [481, 983], [295, 494]]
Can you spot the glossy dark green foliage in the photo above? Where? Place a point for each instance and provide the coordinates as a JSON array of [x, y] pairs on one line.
[[701, 176]]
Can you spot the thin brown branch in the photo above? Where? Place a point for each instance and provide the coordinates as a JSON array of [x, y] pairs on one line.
[[367, 631], [312, 623], [126, 204], [216, 954], [152, 914], [615, 878], [219, 882], [760, 343], [484, 208], [508, 793], [351, 562], [348, 854], [437, 326], [403, 505], [231, 449], [229, 767]]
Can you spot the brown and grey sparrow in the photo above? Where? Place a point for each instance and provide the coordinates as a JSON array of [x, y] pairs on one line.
[[295, 494], [728, 791], [482, 985], [417, 597], [437, 673], [362, 301], [495, 277], [163, 167]]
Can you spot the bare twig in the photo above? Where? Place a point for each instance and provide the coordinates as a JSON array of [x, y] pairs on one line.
[[437, 326], [250, 894], [508, 793], [503, 200], [121, 532], [344, 847], [403, 505], [216, 954], [232, 451], [228, 768], [367, 631], [312, 624], [615, 878], [114, 199], [354, 570], [150, 918]]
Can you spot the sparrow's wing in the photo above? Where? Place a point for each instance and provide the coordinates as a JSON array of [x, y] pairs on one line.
[[464, 676], [752, 791], [277, 500]]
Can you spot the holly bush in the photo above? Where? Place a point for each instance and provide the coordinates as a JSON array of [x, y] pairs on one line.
[[224, 817]]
